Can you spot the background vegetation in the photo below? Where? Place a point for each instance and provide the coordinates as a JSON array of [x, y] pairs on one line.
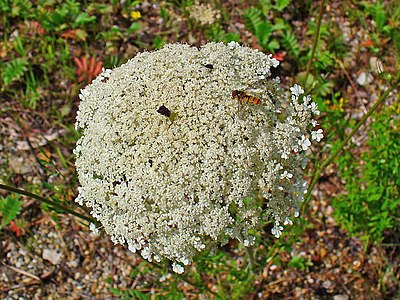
[[346, 244]]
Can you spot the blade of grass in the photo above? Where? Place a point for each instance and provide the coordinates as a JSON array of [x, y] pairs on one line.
[[50, 202]]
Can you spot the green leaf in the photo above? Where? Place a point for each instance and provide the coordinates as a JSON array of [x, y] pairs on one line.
[[134, 3], [81, 34], [10, 207], [164, 14], [21, 8], [158, 42], [373, 201], [101, 8], [252, 19], [380, 17], [385, 76], [273, 45], [374, 197], [263, 33], [265, 6], [84, 18], [281, 4], [14, 70], [134, 27], [280, 25], [232, 36], [289, 41]]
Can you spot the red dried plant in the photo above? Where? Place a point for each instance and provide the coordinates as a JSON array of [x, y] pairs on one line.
[[87, 69]]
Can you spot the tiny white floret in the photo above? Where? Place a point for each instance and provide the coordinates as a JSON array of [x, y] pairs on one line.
[[177, 268]]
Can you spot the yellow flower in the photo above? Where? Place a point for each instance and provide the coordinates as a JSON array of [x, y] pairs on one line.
[[136, 15]]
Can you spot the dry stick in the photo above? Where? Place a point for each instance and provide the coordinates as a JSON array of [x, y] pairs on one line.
[[200, 287], [352, 85], [48, 201], [321, 10], [21, 271], [317, 173]]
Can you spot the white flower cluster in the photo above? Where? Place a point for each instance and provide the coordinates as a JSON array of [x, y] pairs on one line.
[[202, 13], [171, 164]]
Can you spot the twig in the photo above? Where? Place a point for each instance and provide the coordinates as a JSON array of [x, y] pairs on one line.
[[21, 271], [352, 85], [263, 278], [19, 286]]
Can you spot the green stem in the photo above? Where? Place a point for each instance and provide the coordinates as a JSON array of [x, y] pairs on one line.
[[340, 148], [314, 47], [184, 277], [48, 201], [251, 258]]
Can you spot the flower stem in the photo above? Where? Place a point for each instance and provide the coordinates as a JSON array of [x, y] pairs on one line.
[[322, 167], [321, 10], [48, 201], [251, 258]]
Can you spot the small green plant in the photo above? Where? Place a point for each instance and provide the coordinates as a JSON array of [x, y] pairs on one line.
[[278, 5], [256, 23], [129, 294], [65, 16], [158, 42], [386, 21], [21, 8], [372, 203], [112, 61], [329, 49], [111, 35], [10, 208], [216, 33], [14, 70], [300, 263]]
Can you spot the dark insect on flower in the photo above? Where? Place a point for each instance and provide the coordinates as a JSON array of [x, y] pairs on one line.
[[164, 111], [242, 97], [209, 66]]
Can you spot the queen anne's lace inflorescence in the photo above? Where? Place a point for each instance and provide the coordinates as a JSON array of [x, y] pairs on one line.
[[172, 165]]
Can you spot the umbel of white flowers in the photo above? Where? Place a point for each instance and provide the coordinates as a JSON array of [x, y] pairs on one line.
[[172, 165]]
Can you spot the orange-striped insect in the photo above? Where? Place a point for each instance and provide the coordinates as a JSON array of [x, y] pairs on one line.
[[242, 97]]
